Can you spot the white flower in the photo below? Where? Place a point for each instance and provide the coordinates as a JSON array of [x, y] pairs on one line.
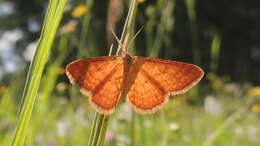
[[30, 51], [110, 135], [125, 112], [174, 126], [62, 127], [148, 123], [80, 117], [6, 8], [9, 38], [238, 130], [212, 106], [252, 133], [7, 53], [123, 140], [33, 25], [39, 138], [234, 89]]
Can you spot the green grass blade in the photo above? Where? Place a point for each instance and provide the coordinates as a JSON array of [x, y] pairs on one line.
[[192, 16], [215, 49], [51, 75], [128, 27], [51, 23], [85, 30], [100, 122]]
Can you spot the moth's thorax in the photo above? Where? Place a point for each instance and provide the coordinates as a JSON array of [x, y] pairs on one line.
[[127, 63], [127, 59]]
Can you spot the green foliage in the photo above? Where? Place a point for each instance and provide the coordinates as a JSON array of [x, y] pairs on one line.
[[63, 117], [68, 122], [51, 23]]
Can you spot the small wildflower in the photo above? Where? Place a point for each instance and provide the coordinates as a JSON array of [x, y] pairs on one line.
[[173, 114], [125, 113], [213, 106], [52, 142], [234, 89], [177, 101], [61, 86], [141, 1], [123, 140], [148, 123], [69, 27], [211, 76], [62, 127], [4, 89], [4, 125], [79, 11], [256, 108], [252, 133], [149, 10], [61, 71], [238, 130], [254, 91], [174, 126], [110, 136], [217, 83]]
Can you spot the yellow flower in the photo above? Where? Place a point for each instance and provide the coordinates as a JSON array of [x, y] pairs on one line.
[[176, 101], [61, 71], [79, 11], [69, 27], [254, 91], [61, 86], [173, 114], [211, 76], [256, 108], [4, 89], [141, 1]]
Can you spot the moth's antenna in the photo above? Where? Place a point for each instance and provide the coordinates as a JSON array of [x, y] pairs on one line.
[[132, 40], [117, 39]]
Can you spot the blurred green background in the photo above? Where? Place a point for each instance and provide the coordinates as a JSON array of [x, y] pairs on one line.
[[220, 36]]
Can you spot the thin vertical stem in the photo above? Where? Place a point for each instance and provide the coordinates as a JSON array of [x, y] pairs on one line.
[[164, 130], [100, 122], [124, 44], [51, 23], [215, 48], [133, 128], [85, 29], [93, 129], [190, 4], [103, 130], [98, 132], [129, 24]]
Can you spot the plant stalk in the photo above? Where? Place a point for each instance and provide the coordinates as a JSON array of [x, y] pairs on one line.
[[50, 26], [100, 122]]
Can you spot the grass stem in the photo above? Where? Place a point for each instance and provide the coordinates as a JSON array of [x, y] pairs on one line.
[[50, 26], [100, 122]]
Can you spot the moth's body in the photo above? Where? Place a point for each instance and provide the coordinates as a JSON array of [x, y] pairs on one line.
[[146, 82]]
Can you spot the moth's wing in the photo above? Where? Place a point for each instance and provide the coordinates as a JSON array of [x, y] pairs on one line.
[[100, 79], [156, 79]]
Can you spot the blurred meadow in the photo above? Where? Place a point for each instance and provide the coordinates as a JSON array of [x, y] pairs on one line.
[[220, 36]]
